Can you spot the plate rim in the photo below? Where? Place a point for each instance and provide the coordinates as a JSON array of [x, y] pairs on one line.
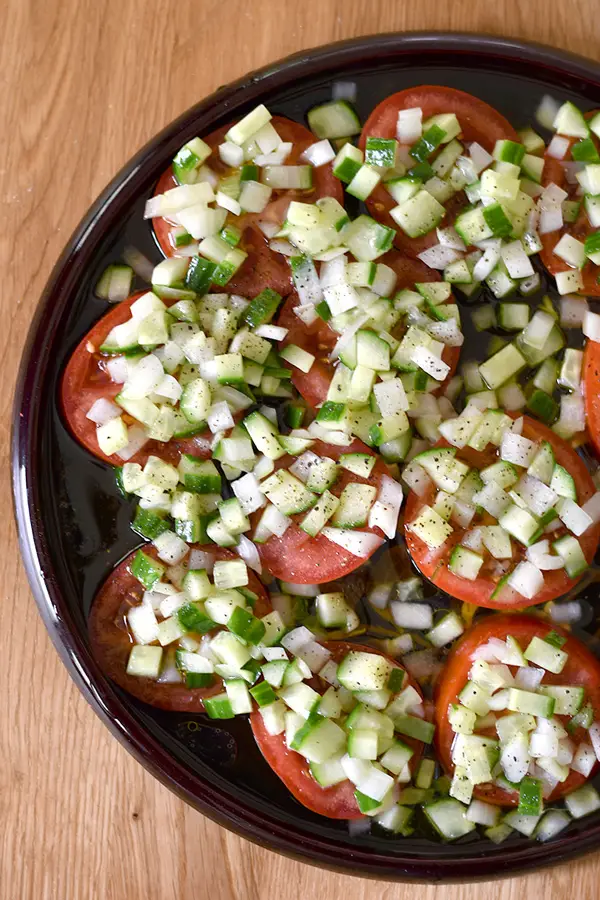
[[139, 172]]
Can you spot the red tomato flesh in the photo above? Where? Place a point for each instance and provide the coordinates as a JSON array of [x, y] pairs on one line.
[[319, 339], [111, 643], [480, 122], [86, 380], [582, 669], [591, 390], [264, 267], [554, 173], [301, 559], [433, 564], [337, 802]]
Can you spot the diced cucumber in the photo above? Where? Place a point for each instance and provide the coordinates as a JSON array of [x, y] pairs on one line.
[[419, 215], [361, 671], [529, 703], [448, 817]]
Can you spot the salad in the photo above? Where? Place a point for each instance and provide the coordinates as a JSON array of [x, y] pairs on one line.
[[356, 429]]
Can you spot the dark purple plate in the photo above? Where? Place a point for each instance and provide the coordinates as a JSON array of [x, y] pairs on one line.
[[74, 528]]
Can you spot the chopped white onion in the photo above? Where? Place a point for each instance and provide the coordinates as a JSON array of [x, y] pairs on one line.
[[566, 613], [574, 517], [517, 449], [558, 147], [103, 411], [439, 256], [319, 154], [526, 579], [409, 126], [219, 417], [480, 157], [539, 555], [247, 551], [591, 326], [573, 310], [358, 543], [248, 492]]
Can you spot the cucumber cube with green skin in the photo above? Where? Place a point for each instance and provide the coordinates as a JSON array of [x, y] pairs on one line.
[[196, 584], [263, 693], [419, 215], [319, 740], [149, 524], [249, 172], [527, 702], [381, 151], [568, 699], [218, 707], [544, 655], [246, 626], [145, 661], [563, 483], [360, 671], [189, 159], [198, 679], [428, 143], [331, 412], [413, 726], [199, 275], [347, 163], [543, 406], [262, 309], [496, 218], [193, 619], [530, 797], [585, 151], [148, 571], [509, 151], [320, 514], [322, 475], [366, 804], [198, 475], [264, 435], [569, 549]]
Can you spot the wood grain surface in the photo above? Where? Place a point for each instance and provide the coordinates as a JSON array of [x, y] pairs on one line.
[[84, 83]]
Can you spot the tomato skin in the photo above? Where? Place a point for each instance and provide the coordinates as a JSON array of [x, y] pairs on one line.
[[264, 267], [480, 123], [111, 643], [85, 380], [432, 564], [553, 172], [591, 390], [582, 669], [337, 802], [319, 339], [301, 559]]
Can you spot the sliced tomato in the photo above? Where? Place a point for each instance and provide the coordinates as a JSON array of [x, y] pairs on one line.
[[301, 559], [554, 173], [111, 643], [337, 802], [591, 390], [264, 267], [480, 122], [319, 339], [86, 380], [434, 563], [582, 669]]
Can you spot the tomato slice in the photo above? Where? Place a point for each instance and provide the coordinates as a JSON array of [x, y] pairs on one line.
[[337, 802], [591, 390], [582, 669], [86, 380], [111, 643], [480, 122], [264, 267], [554, 173], [434, 563], [319, 339], [301, 559]]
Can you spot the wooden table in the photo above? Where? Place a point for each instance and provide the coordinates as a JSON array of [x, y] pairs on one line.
[[84, 84]]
